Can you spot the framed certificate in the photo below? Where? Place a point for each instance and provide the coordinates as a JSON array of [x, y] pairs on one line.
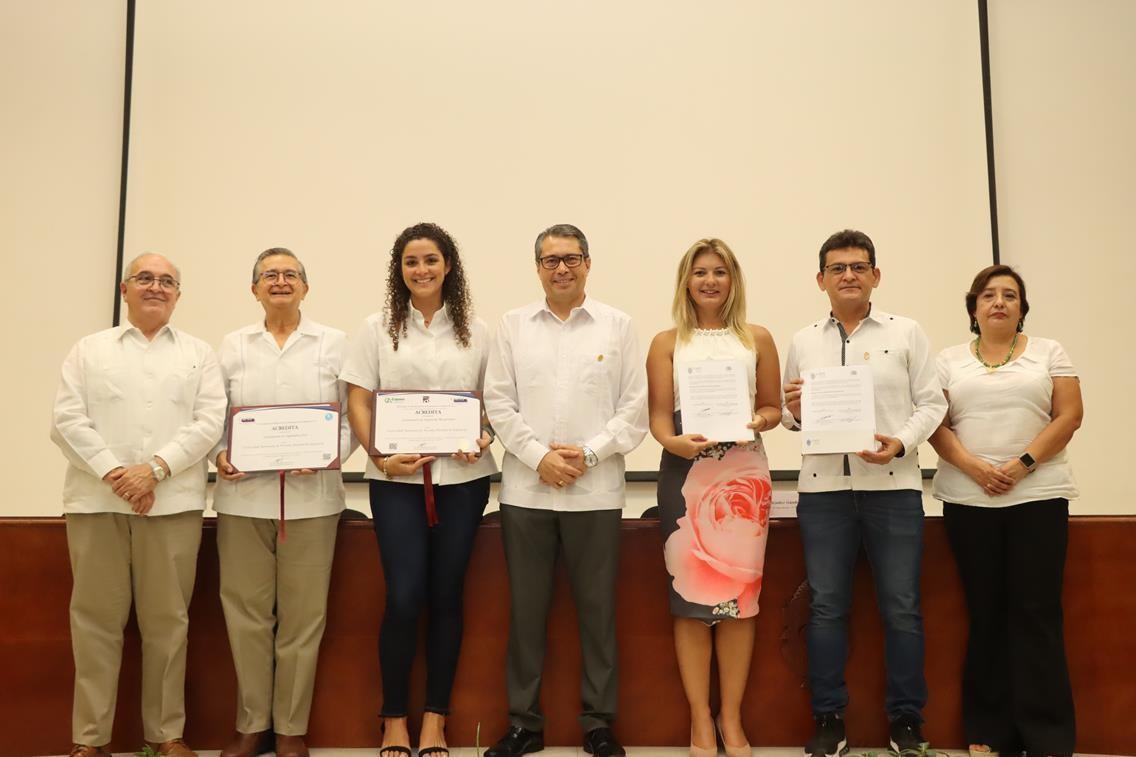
[[406, 422], [284, 437]]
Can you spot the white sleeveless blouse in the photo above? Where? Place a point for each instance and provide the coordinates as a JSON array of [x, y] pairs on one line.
[[714, 344]]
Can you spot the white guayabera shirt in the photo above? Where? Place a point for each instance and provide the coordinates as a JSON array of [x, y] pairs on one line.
[[909, 400], [305, 370], [122, 400], [580, 381]]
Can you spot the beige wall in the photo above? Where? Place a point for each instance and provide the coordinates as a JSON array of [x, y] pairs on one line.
[[764, 123], [647, 124], [1064, 80], [61, 76]]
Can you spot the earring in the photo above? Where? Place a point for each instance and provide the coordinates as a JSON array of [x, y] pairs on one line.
[[1021, 324]]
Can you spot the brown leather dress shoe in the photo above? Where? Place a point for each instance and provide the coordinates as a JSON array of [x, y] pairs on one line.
[[172, 748], [83, 750], [291, 746], [248, 744]]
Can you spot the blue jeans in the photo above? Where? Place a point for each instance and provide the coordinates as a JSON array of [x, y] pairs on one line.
[[890, 526]]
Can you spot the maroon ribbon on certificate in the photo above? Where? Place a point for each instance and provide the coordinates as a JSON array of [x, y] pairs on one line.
[[428, 489], [282, 533]]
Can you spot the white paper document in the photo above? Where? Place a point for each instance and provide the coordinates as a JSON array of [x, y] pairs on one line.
[[838, 410], [714, 399]]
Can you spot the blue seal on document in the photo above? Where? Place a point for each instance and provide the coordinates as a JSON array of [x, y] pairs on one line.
[[328, 416]]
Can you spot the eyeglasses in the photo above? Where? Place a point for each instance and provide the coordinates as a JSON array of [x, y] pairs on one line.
[[552, 262], [146, 280], [272, 276], [838, 269]]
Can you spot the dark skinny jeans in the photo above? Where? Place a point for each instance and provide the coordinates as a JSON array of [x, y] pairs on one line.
[[424, 569]]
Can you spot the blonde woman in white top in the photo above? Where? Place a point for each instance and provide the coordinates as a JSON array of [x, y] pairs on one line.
[[1014, 403], [714, 494], [426, 338], [274, 591]]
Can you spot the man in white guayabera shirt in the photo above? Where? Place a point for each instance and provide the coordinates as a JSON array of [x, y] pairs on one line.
[[139, 407], [566, 392], [873, 497]]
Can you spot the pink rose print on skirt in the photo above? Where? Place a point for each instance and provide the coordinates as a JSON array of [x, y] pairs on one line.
[[717, 555]]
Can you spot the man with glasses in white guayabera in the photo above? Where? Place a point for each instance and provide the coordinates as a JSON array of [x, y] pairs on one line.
[[873, 497], [138, 409], [566, 392]]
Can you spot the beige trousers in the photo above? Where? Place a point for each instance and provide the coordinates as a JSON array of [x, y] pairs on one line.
[[274, 595], [115, 559]]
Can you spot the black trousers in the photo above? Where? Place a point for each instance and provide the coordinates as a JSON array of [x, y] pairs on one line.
[[590, 541], [1016, 691], [424, 568]]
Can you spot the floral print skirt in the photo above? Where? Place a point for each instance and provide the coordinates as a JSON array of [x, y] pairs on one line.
[[714, 515]]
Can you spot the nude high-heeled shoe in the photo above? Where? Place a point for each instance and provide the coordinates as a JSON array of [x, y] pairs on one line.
[[701, 751], [742, 750]]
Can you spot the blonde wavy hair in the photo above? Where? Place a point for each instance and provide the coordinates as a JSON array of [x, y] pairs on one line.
[[733, 310]]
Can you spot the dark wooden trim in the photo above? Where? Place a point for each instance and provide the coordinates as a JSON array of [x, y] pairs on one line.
[[988, 114], [127, 94], [35, 649]]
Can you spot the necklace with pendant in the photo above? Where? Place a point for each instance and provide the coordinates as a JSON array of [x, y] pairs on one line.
[[989, 366]]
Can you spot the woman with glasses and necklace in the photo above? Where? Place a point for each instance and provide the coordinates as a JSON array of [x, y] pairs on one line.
[[714, 494], [1014, 404], [274, 590], [426, 338]]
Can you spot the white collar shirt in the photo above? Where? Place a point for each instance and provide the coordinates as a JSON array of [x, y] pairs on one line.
[[305, 370], [578, 381], [427, 358], [122, 400], [908, 397]]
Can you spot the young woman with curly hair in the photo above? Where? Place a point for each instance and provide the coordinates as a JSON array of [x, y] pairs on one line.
[[425, 338]]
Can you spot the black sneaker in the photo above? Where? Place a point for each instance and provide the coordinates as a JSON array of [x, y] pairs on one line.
[[828, 739], [906, 735], [516, 742]]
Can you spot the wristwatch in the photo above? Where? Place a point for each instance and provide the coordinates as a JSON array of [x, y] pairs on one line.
[[157, 469], [1027, 460], [591, 459]]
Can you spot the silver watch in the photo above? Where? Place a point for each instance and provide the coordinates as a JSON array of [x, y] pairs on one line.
[[158, 471], [591, 459]]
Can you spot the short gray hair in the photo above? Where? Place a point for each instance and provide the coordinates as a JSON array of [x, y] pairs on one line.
[[563, 230], [277, 251], [126, 271]]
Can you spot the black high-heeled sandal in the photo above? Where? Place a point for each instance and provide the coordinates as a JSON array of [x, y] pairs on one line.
[[395, 748]]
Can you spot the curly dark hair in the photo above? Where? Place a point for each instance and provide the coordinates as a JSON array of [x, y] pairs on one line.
[[455, 292]]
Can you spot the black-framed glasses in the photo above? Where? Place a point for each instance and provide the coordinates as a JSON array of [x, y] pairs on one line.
[[146, 280], [273, 276], [552, 262], [838, 269]]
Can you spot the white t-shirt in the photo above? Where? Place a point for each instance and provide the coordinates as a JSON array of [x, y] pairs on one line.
[[427, 358], [996, 414]]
